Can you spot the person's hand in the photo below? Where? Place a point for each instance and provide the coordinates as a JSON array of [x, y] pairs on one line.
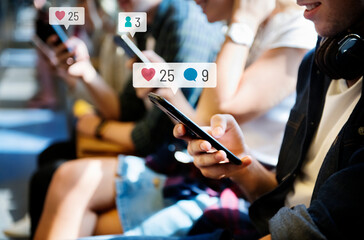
[[75, 63], [167, 93], [150, 54], [254, 12], [153, 56], [212, 163], [87, 124], [142, 93]]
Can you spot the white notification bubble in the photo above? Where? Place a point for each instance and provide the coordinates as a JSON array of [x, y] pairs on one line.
[[132, 22], [66, 16], [174, 75]]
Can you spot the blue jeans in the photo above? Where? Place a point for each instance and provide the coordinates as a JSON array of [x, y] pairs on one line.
[[216, 235], [142, 208]]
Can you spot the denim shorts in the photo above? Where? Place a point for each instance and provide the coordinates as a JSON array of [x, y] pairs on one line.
[[142, 208]]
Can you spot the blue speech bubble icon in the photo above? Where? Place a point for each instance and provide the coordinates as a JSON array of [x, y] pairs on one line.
[[190, 74]]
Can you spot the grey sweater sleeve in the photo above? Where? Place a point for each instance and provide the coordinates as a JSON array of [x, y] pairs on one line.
[[294, 223]]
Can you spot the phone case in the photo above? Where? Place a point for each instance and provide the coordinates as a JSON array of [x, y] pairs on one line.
[[193, 129]]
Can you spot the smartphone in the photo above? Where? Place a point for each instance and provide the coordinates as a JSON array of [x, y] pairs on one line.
[[44, 31], [192, 128], [130, 48]]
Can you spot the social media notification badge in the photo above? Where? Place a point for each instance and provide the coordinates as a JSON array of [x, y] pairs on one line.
[[174, 75], [66, 16], [132, 22], [190, 74]]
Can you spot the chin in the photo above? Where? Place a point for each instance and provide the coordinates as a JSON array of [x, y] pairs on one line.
[[327, 31], [332, 28], [211, 18]]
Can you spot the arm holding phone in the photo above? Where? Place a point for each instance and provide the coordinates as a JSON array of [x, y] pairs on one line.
[[251, 176], [76, 64], [213, 157], [178, 99]]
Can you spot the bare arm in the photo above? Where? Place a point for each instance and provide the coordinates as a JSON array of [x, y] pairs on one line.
[[261, 86], [230, 62], [113, 131], [119, 133], [104, 97], [249, 91]]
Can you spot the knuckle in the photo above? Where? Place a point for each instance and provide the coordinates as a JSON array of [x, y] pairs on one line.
[[189, 149], [208, 174], [198, 161]]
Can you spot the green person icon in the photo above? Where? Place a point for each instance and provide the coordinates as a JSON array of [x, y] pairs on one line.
[[128, 23]]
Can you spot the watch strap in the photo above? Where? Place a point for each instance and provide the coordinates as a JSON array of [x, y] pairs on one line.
[[99, 128]]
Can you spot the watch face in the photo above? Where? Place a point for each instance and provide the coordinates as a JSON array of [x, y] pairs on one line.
[[241, 33]]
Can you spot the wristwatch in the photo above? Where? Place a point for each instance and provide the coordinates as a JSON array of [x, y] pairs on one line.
[[99, 128], [241, 33]]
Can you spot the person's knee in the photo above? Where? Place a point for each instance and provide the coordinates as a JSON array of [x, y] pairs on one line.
[[82, 173], [68, 174]]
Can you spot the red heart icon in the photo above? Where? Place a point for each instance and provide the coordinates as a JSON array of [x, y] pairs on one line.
[[148, 74], [60, 14]]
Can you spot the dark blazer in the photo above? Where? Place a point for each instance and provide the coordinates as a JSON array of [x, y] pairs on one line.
[[337, 204]]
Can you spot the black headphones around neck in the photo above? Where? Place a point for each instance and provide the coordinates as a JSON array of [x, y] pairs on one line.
[[342, 56]]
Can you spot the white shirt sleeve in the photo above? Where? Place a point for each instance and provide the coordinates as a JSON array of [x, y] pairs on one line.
[[290, 29]]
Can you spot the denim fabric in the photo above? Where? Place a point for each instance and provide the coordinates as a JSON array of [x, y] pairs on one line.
[[216, 235], [138, 191], [142, 208]]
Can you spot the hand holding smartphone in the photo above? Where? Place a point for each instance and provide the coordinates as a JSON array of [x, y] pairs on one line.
[[44, 30], [192, 128]]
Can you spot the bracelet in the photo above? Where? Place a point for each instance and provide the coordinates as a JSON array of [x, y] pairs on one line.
[[99, 128]]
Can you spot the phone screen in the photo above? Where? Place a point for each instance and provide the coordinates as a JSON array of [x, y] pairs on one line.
[[192, 128], [44, 31], [130, 48]]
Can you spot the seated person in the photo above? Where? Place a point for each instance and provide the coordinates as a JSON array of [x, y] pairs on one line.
[[133, 125], [263, 118], [108, 167], [314, 191], [264, 59], [92, 33]]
